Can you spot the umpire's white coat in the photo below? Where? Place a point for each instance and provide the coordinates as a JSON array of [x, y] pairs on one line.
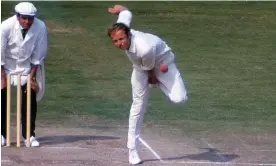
[[147, 52], [17, 54]]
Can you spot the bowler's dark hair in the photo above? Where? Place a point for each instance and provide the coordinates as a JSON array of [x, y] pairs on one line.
[[118, 26]]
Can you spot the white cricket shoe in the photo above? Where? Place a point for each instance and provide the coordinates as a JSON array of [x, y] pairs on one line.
[[134, 158], [33, 142], [3, 140]]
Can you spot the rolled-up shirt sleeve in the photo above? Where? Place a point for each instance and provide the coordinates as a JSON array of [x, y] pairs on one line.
[[41, 47], [148, 59], [125, 17]]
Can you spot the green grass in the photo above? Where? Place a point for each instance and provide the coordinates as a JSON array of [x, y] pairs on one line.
[[225, 51]]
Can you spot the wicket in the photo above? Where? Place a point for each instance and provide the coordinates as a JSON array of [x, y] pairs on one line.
[[18, 112]]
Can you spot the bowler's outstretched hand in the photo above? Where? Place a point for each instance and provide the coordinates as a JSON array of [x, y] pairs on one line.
[[116, 9]]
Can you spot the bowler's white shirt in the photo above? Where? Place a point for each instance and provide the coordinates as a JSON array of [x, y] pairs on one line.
[[17, 54], [146, 51]]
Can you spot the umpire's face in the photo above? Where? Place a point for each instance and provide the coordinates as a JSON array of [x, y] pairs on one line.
[[25, 21]]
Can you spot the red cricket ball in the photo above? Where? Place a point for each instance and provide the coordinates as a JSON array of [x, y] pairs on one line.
[[163, 68]]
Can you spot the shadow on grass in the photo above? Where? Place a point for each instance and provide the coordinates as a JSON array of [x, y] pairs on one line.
[[212, 155], [52, 140]]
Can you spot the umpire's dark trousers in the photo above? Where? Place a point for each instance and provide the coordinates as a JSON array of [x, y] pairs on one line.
[[23, 111]]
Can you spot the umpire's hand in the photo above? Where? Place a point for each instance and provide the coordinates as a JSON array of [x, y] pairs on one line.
[[3, 81], [34, 85]]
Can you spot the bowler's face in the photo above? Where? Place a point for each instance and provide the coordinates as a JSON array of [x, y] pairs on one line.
[[120, 39], [25, 21]]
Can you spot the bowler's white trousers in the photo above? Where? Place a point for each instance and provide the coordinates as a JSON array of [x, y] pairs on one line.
[[170, 83]]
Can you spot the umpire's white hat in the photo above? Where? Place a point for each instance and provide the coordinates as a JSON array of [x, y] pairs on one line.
[[25, 8]]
